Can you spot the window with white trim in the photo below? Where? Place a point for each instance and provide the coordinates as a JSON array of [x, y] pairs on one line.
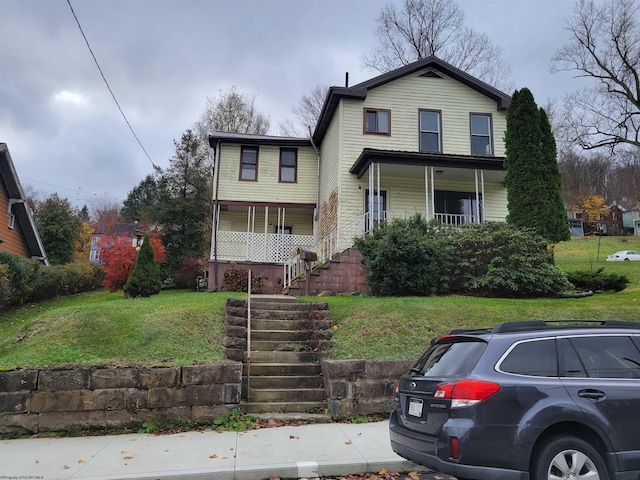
[[430, 131], [481, 134]]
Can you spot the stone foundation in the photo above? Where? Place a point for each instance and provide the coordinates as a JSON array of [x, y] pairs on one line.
[[362, 387], [33, 401]]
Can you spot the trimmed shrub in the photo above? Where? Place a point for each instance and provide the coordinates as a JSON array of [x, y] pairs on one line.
[[144, 280], [407, 257], [495, 259], [19, 288], [235, 279], [598, 281]]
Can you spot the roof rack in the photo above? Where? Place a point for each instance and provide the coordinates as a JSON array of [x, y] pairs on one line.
[[532, 325], [471, 331]]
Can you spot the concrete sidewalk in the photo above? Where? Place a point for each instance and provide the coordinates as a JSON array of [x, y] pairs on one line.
[[330, 449]]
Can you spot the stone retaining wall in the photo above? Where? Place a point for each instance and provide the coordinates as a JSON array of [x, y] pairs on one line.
[[361, 387], [57, 400]]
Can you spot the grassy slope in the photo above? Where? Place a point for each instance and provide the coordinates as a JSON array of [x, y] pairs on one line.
[[179, 327]]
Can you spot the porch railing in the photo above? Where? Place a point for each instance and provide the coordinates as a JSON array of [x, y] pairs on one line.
[[260, 247]]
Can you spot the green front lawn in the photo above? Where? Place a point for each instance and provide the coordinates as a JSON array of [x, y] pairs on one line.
[[181, 327]]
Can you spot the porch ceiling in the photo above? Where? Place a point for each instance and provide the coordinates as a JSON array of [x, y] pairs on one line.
[[439, 161], [440, 173]]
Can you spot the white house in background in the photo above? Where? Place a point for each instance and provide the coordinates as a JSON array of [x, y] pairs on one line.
[[426, 138]]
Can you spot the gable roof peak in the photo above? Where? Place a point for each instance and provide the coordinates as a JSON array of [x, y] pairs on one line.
[[359, 91]]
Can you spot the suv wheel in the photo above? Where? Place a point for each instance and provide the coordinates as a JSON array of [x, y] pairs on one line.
[[569, 458]]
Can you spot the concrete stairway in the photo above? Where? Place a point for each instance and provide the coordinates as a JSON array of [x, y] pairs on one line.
[[283, 373]]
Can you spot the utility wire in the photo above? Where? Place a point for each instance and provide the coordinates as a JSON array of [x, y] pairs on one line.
[[108, 87]]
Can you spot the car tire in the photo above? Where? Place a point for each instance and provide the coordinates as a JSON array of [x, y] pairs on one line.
[[626, 259], [565, 456]]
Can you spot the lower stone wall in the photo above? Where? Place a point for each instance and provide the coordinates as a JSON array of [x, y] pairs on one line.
[[33, 401], [362, 387]]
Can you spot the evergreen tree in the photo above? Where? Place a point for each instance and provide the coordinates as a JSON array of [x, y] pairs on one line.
[[139, 206], [556, 228], [144, 280], [59, 226], [533, 178], [184, 207]]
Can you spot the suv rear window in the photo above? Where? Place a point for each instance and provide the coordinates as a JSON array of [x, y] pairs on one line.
[[450, 359], [536, 358]]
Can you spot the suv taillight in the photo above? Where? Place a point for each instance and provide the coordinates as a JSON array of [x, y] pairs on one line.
[[466, 392]]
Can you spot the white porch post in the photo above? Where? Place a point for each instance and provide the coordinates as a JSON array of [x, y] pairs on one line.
[[426, 192], [484, 211], [266, 232], [433, 193], [477, 212], [379, 196], [369, 219]]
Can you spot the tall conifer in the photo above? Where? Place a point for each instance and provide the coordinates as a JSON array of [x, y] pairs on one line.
[[533, 178]]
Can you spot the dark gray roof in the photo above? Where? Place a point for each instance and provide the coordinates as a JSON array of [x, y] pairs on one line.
[[359, 91], [252, 139], [20, 208]]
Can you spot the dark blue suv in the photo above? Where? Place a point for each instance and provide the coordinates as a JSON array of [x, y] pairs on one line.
[[526, 400]]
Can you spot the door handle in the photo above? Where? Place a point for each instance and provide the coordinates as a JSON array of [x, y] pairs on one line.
[[589, 394]]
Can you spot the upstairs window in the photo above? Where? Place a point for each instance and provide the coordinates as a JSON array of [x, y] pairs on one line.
[[249, 163], [430, 136], [288, 165], [12, 220], [481, 135], [377, 121]]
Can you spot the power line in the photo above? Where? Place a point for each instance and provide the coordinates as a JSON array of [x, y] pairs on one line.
[[108, 87], [77, 190]]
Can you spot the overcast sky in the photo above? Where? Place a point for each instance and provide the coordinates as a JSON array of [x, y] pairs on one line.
[[163, 58]]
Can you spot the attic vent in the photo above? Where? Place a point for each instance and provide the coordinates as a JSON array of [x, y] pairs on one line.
[[430, 75]]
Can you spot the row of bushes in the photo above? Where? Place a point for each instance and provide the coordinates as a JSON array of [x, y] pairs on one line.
[[23, 280], [494, 259]]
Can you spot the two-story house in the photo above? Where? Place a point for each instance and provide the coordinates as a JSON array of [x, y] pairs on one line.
[[426, 138], [18, 232]]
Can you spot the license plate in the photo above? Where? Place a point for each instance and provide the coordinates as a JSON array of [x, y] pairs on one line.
[[415, 407]]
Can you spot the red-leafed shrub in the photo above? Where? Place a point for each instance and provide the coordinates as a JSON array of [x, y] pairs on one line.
[[118, 259]]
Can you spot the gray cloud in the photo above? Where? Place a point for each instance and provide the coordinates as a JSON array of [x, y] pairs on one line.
[[163, 58]]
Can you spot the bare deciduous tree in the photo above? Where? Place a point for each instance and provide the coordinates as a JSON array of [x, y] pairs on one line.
[[233, 112], [605, 48], [307, 113], [420, 28]]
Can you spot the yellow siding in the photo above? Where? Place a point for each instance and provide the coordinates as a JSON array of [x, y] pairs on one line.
[[330, 157], [404, 97], [268, 188]]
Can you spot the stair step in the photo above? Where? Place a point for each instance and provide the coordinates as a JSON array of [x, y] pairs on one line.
[[278, 314], [283, 357], [280, 335], [285, 407], [287, 381], [279, 369], [273, 299], [298, 395], [278, 346], [279, 324]]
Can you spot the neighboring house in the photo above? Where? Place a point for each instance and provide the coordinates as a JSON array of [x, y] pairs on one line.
[[18, 232], [631, 217], [107, 235], [576, 224], [426, 138], [608, 221]]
